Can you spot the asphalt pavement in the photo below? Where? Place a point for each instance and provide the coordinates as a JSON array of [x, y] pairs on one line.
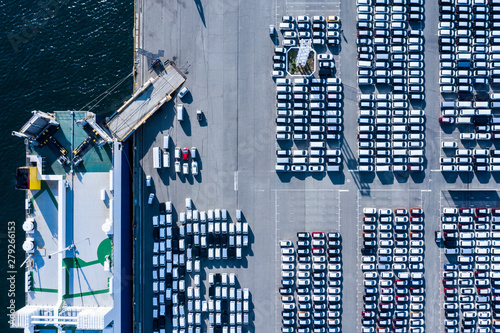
[[225, 51]]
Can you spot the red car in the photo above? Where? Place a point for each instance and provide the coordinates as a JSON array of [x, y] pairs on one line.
[[416, 219], [368, 314], [185, 154], [446, 120], [318, 235], [318, 250]]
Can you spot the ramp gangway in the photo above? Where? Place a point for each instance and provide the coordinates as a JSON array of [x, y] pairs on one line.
[[152, 95]]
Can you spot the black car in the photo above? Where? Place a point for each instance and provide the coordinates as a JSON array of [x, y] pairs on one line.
[[163, 207], [303, 235], [334, 235], [365, 251], [156, 325], [333, 243], [336, 252], [483, 120], [303, 251], [451, 243]]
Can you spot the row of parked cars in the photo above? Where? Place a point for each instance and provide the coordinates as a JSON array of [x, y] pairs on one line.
[[468, 160], [471, 281], [178, 252], [317, 102], [294, 160], [186, 154], [309, 109], [469, 43], [320, 30], [311, 278], [464, 113], [228, 306], [391, 137], [394, 285], [390, 52]]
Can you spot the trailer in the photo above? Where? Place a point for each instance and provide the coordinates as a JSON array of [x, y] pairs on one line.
[[156, 157]]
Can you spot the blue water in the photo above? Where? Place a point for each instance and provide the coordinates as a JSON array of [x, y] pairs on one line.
[[54, 55]]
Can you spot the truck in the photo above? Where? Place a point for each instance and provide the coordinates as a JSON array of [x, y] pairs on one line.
[[166, 159], [156, 157]]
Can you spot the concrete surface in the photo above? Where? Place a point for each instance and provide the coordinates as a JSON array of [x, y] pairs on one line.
[[225, 51]]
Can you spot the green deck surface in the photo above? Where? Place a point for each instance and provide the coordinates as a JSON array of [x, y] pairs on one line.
[[70, 135]]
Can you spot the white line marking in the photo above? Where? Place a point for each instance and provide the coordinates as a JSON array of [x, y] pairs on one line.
[[440, 273], [276, 258], [311, 190], [338, 210], [236, 180], [358, 249]]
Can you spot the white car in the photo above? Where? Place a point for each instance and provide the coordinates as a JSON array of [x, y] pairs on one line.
[[151, 197], [185, 168], [303, 19], [194, 152], [368, 267], [287, 267], [286, 243], [180, 110], [278, 74], [194, 168], [183, 92], [148, 180], [177, 166], [166, 159], [369, 211], [325, 56]]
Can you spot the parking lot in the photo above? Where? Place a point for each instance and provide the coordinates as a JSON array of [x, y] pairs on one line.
[[468, 77], [393, 266], [390, 48], [225, 50], [311, 282], [184, 244], [469, 236], [309, 98]]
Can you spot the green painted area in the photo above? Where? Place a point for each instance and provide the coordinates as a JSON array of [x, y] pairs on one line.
[[88, 293], [70, 135], [96, 160], [104, 249], [44, 188], [33, 288], [46, 329], [44, 290], [77, 263]]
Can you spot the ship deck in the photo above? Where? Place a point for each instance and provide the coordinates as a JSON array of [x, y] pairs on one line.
[[72, 263]]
